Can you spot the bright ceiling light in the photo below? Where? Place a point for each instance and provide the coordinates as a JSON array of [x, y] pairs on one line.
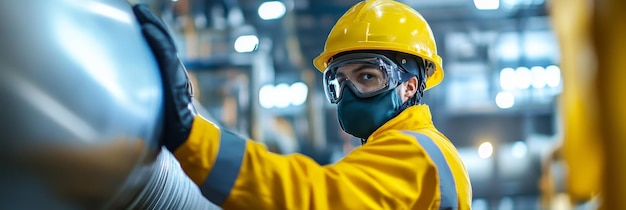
[[485, 150], [272, 10], [246, 43], [505, 100], [553, 76], [539, 76], [507, 79], [298, 92], [487, 4], [267, 96], [281, 93]]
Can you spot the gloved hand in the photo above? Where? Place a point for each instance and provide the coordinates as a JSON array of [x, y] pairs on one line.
[[177, 89]]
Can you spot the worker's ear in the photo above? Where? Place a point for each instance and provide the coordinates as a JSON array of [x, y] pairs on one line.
[[410, 88]]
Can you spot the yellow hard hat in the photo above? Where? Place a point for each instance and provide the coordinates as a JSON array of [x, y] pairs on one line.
[[383, 25]]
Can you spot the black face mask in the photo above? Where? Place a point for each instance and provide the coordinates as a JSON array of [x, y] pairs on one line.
[[360, 117]]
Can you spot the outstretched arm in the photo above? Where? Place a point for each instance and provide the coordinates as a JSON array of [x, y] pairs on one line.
[[236, 173]]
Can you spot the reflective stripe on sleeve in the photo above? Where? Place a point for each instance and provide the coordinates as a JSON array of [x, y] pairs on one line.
[[223, 175], [449, 199]]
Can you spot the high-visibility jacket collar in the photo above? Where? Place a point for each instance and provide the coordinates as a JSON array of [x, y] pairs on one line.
[[412, 118]]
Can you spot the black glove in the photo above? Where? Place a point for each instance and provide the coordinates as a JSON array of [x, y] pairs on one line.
[[177, 89]]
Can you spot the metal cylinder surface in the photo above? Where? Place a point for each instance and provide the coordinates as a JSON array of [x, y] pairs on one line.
[[80, 106]]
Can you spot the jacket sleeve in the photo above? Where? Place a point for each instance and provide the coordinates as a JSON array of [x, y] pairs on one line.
[[391, 173]]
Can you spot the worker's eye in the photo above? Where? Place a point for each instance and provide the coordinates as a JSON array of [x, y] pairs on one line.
[[367, 76]]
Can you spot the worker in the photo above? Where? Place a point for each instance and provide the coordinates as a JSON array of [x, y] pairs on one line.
[[378, 60]]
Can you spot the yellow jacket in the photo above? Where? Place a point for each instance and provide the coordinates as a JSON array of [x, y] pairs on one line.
[[406, 164]]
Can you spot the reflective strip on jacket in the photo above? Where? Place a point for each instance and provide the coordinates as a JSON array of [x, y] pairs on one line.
[[400, 167]]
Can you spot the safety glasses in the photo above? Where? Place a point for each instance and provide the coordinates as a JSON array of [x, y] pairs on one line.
[[367, 74]]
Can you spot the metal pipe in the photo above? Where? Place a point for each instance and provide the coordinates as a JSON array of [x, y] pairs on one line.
[[80, 111]]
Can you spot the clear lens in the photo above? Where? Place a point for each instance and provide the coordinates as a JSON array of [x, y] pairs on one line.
[[365, 73]]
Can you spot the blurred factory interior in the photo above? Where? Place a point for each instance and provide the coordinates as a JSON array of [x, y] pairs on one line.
[[252, 63]]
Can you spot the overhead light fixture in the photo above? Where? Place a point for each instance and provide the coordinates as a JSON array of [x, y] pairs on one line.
[[507, 79], [267, 96], [272, 10], [485, 150], [553, 76], [298, 93], [539, 76], [283, 95], [246, 43], [505, 100], [487, 4]]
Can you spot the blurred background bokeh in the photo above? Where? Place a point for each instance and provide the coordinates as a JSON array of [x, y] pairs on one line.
[[532, 97], [251, 61]]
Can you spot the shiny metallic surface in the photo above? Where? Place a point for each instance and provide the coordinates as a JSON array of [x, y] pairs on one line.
[[80, 104]]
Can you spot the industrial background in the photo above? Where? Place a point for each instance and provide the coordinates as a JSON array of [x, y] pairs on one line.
[[251, 65]]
